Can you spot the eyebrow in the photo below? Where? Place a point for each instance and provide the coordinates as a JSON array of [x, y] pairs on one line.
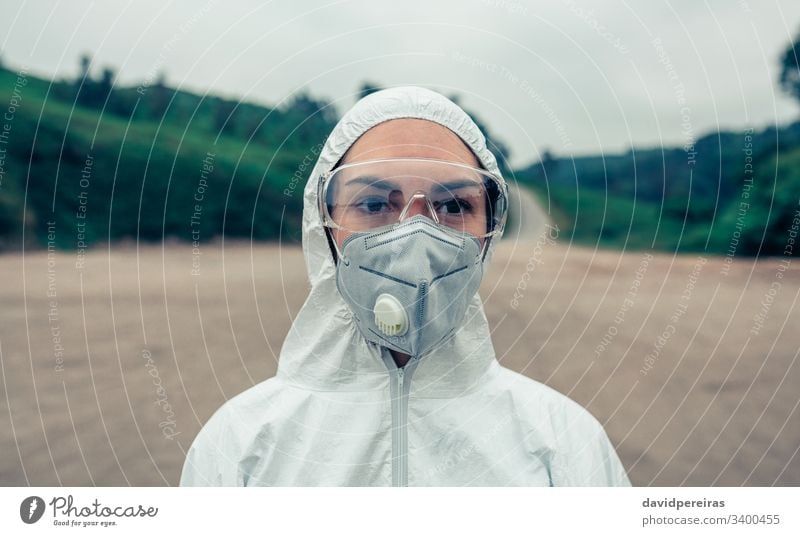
[[384, 184], [377, 182], [455, 185]]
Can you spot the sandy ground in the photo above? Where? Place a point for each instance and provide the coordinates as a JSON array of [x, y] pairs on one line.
[[84, 351]]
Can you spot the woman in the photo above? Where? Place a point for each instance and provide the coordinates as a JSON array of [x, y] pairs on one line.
[[388, 375]]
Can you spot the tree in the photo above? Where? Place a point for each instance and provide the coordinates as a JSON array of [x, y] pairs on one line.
[[790, 69], [105, 85], [367, 88], [84, 85], [767, 222], [86, 63], [223, 116]]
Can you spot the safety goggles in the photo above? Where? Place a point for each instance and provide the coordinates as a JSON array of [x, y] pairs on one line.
[[368, 195]]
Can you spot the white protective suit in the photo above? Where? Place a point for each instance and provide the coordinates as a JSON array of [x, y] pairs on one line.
[[340, 412]]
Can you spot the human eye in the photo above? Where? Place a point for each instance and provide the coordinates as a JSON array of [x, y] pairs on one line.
[[453, 206], [372, 205]]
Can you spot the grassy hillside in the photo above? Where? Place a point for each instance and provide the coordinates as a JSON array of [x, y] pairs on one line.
[[141, 176], [739, 193], [86, 161]]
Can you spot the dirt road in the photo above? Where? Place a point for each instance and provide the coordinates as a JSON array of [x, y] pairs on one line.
[[108, 371]]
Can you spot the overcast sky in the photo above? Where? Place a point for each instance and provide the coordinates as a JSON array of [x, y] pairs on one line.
[[571, 76]]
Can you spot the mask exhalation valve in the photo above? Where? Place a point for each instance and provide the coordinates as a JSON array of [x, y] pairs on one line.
[[390, 316]]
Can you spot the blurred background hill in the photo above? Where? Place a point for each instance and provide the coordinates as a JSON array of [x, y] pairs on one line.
[[143, 151]]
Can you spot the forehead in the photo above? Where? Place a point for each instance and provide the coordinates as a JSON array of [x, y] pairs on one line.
[[409, 138]]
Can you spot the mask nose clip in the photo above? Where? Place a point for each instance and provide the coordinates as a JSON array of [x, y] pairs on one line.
[[419, 194]]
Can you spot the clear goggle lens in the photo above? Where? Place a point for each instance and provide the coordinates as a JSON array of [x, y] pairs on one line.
[[369, 195]]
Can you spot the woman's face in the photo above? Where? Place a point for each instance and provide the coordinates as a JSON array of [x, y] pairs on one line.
[[407, 138]]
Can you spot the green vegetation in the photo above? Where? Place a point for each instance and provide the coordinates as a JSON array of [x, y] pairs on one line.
[[738, 185], [84, 161], [139, 162]]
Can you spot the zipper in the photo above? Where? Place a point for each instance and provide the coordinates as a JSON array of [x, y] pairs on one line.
[[401, 453], [399, 395]]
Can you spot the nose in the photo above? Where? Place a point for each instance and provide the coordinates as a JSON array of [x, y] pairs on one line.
[[418, 204]]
